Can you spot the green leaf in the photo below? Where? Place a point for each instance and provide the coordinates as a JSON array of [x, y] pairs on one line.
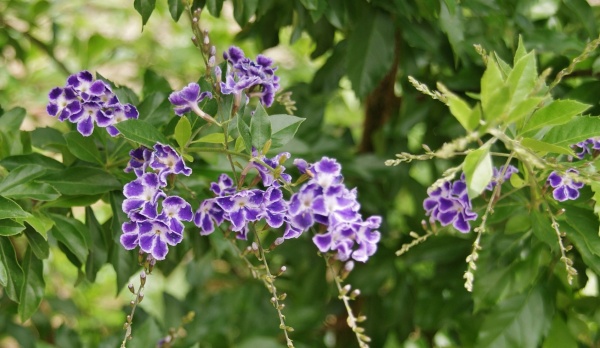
[[213, 138], [83, 148], [244, 131], [21, 175], [260, 127], [239, 144], [10, 227], [32, 291], [521, 51], [214, 7], [461, 111], [73, 234], [478, 171], [498, 104], [153, 83], [284, 127], [141, 132], [578, 129], [491, 82], [82, 181], [33, 190], [13, 162], [183, 131], [370, 51], [542, 229], [556, 113], [12, 119], [243, 10], [37, 243], [543, 147], [11, 274], [144, 8], [146, 335], [124, 261], [452, 23], [581, 227], [11, 210], [522, 78], [176, 9], [519, 321], [41, 223], [559, 335], [523, 109], [98, 255]]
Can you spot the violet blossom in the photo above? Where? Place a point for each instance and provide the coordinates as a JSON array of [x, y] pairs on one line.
[[564, 187], [450, 204], [188, 98]]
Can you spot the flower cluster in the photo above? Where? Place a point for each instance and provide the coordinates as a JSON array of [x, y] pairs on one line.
[[258, 78], [450, 204], [564, 187], [323, 200], [86, 102], [153, 228], [497, 175], [583, 147]]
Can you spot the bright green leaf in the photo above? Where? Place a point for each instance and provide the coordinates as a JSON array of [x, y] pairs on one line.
[[82, 181], [11, 274], [498, 104], [141, 132], [213, 138], [519, 321], [516, 181], [543, 147], [578, 129], [521, 51], [73, 234], [370, 51], [21, 175], [522, 78], [41, 223], [83, 148], [260, 127], [478, 171], [490, 83], [461, 110], [32, 290], [144, 8], [556, 113], [244, 131], [523, 109], [11, 210], [284, 127], [10, 227], [33, 190], [239, 144], [183, 131]]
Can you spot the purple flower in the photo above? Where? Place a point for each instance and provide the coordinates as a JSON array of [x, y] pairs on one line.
[[343, 236], [83, 82], [142, 196], [266, 174], [63, 102], [301, 213], [274, 207], [585, 148], [188, 98], [257, 78], [242, 207], [223, 187], [450, 204], [140, 159], [121, 113], [155, 236], [90, 113], [167, 161], [208, 214], [564, 187], [510, 170], [131, 236], [174, 210]]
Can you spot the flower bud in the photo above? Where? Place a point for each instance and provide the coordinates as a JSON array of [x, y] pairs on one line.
[[131, 288]]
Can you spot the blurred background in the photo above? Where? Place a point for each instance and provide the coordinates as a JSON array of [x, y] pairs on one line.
[[346, 64]]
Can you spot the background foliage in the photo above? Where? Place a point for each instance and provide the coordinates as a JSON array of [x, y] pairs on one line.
[[346, 63]]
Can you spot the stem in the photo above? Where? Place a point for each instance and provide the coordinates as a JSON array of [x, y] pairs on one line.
[[220, 150], [139, 296], [343, 295]]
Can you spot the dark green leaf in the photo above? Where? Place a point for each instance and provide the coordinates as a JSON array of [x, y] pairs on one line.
[[33, 190], [82, 181], [146, 335], [559, 335], [183, 131], [478, 171], [11, 274], [519, 321], [73, 234], [10, 227], [260, 127], [152, 81], [73, 201], [284, 127], [581, 228], [32, 290], [12, 119], [37, 243], [578, 129], [214, 7], [141, 132], [370, 52], [11, 210], [124, 261], [156, 109], [99, 250], [13, 162], [556, 113], [83, 148], [144, 8], [452, 23], [244, 131], [47, 138], [243, 10], [542, 229], [176, 8], [21, 175]]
